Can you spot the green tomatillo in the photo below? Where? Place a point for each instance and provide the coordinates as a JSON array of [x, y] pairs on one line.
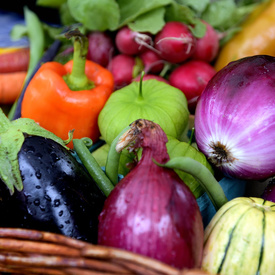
[[150, 99]]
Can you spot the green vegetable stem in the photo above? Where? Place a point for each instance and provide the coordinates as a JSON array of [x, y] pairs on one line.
[[103, 182], [112, 163], [77, 79], [203, 175]]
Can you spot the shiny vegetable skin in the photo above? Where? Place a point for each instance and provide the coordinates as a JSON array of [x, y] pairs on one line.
[[58, 195], [69, 97], [257, 36], [151, 211], [240, 238]]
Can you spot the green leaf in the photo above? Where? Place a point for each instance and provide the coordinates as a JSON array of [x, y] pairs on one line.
[[12, 136], [152, 21], [220, 14], [130, 10], [95, 15], [50, 3], [197, 5], [30, 127], [66, 17], [178, 12], [199, 29], [18, 31], [11, 142]]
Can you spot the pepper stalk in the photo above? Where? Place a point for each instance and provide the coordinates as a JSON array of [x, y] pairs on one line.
[[77, 79]]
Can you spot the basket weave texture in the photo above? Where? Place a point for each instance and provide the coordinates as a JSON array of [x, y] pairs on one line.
[[25, 251]]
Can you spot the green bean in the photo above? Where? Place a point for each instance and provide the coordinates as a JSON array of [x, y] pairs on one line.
[[203, 175], [37, 46], [112, 162], [92, 166], [36, 38]]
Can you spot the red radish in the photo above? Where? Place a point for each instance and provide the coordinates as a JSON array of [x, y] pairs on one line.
[[131, 42], [208, 46], [191, 78], [175, 42], [101, 47], [153, 63], [151, 76], [122, 66], [151, 211]]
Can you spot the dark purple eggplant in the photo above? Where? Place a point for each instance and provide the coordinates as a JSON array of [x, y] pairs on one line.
[[58, 193]]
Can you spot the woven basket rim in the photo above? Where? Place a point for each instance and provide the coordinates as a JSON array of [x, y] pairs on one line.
[[27, 251]]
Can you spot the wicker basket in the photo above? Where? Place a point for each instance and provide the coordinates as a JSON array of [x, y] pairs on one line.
[[24, 251]]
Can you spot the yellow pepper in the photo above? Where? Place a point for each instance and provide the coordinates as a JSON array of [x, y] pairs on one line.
[[257, 36]]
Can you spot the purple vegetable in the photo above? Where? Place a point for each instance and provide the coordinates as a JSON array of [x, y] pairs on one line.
[[151, 211], [101, 47], [235, 118], [269, 191], [131, 42]]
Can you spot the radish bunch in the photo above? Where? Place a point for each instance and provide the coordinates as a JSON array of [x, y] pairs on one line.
[[173, 55]]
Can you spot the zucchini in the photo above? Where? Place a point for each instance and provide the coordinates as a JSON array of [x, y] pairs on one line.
[[240, 238]]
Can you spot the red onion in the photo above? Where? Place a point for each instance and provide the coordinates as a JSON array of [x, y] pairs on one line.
[[235, 118], [151, 211]]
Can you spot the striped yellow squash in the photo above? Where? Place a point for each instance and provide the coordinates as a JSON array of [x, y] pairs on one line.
[[240, 239]]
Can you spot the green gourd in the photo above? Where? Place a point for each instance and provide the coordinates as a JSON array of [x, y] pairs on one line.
[[240, 238]]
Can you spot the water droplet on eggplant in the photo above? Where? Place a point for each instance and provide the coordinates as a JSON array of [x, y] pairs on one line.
[[54, 157], [39, 155], [30, 150], [47, 197], [38, 174], [36, 202], [56, 203]]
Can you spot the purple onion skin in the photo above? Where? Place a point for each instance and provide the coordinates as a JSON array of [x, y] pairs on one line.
[[152, 212], [235, 119]]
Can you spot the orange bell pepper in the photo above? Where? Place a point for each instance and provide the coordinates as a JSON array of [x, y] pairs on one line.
[[69, 97], [257, 36]]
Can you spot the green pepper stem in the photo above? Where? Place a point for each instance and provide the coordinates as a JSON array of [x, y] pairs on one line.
[[203, 175], [112, 162], [77, 79], [92, 167]]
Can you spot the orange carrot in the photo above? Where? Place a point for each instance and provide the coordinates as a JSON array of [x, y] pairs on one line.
[[11, 85]]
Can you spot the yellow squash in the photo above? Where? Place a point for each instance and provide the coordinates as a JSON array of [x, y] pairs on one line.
[[257, 36], [240, 239]]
